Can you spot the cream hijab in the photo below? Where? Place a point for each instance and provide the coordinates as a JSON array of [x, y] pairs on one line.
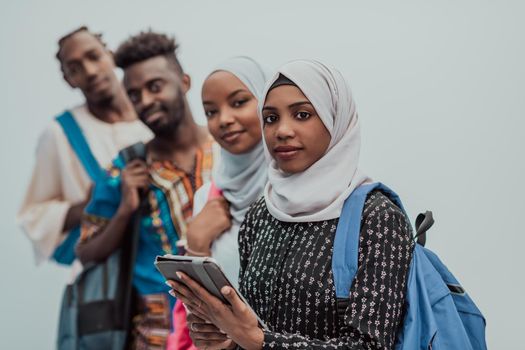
[[242, 177], [319, 192]]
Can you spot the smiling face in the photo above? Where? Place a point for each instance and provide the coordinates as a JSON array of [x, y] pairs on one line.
[[88, 65], [294, 134], [156, 90], [231, 111]]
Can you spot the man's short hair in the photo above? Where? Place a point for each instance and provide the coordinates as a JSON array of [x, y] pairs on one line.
[[146, 45], [63, 39]]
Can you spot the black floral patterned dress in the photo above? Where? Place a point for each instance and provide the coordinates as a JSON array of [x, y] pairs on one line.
[[286, 277]]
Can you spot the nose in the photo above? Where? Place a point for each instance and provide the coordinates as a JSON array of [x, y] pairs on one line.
[[226, 119], [285, 129], [91, 69], [146, 99]]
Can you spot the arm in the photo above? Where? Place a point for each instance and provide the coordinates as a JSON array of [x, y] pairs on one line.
[[44, 210], [208, 225], [100, 238], [74, 215], [246, 231], [377, 295]]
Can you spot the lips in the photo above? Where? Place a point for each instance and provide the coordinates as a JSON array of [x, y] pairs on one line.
[[97, 84], [231, 136], [154, 117], [286, 152], [153, 114]]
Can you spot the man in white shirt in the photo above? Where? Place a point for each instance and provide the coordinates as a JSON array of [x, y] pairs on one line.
[[60, 183]]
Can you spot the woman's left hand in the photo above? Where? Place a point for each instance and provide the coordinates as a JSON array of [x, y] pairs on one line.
[[238, 321]]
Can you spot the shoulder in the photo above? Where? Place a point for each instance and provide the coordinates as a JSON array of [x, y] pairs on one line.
[[53, 136], [382, 218]]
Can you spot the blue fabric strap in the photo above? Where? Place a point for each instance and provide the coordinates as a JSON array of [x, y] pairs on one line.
[[80, 146], [65, 252], [346, 243]]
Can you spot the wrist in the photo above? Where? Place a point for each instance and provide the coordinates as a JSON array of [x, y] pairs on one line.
[[256, 340], [123, 212]]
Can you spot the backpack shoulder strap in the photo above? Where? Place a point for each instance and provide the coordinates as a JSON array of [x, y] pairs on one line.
[[346, 243], [78, 142]]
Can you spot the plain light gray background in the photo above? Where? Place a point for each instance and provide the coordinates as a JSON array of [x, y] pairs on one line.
[[439, 88]]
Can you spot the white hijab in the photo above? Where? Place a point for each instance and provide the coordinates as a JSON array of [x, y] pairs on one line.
[[242, 177], [319, 192]]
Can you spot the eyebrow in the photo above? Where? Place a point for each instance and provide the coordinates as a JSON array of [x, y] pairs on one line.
[[300, 103], [85, 53], [228, 97], [295, 104]]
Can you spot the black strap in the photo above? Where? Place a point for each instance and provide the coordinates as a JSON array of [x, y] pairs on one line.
[[132, 246], [424, 222]]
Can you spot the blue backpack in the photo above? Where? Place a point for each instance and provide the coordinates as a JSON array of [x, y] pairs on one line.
[[65, 252], [439, 313]]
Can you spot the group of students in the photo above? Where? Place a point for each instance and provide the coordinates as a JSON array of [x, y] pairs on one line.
[[261, 190]]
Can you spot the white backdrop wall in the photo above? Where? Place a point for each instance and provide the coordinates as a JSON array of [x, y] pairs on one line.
[[439, 88]]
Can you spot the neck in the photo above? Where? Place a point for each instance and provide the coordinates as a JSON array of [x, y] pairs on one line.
[[187, 136], [118, 109]]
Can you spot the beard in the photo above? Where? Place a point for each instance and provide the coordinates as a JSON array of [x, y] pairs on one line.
[[174, 115]]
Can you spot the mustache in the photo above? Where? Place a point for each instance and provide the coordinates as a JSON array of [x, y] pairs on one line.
[[157, 107]]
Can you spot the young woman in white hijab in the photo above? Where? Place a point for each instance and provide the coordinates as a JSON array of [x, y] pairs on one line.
[[229, 96], [312, 138]]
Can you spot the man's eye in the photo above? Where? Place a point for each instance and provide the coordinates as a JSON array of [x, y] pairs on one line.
[[134, 97], [155, 87], [72, 70], [303, 115], [94, 56], [269, 119], [210, 113]]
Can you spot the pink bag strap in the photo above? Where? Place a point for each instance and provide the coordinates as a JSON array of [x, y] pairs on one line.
[[214, 191]]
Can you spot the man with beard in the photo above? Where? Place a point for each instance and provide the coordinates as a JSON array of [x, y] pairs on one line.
[[178, 161], [51, 212]]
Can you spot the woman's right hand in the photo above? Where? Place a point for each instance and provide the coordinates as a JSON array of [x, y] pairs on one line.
[[205, 335], [209, 224], [134, 177]]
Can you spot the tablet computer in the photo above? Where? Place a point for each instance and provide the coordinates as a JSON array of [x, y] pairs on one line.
[[204, 270]]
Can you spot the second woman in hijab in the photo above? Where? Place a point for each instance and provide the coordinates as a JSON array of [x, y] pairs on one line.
[[312, 138], [229, 96]]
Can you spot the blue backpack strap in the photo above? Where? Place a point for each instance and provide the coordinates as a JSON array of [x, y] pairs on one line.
[[78, 142], [65, 252], [346, 243]]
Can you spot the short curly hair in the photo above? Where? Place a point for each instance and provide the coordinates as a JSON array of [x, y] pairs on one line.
[[146, 45], [63, 39]]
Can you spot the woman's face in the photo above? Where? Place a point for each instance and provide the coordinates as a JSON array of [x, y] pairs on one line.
[[231, 111], [295, 135]]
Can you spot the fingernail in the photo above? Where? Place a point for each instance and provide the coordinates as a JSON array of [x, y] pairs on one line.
[[172, 293], [179, 275], [225, 290], [168, 283]]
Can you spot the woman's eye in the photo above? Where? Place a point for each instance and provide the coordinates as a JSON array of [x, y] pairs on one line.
[[210, 113], [302, 115], [269, 119], [239, 103]]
